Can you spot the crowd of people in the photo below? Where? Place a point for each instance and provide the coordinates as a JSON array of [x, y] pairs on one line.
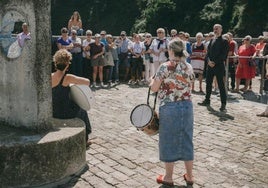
[[105, 59], [167, 64]]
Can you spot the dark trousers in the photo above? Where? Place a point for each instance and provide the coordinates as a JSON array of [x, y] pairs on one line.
[[115, 72], [77, 64], [136, 69], [82, 114], [232, 74], [87, 69], [218, 71]]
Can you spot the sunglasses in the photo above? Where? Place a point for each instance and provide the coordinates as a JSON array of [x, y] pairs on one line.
[[148, 36], [73, 33], [122, 35], [64, 32]]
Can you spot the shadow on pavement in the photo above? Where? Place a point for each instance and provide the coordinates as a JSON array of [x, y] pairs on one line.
[[73, 179], [223, 116]]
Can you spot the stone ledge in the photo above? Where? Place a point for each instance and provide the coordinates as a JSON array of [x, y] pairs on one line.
[[29, 159]]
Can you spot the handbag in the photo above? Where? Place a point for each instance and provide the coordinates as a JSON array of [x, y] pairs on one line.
[[252, 63], [166, 52]]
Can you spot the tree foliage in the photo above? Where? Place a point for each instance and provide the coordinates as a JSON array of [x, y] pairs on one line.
[[239, 16]]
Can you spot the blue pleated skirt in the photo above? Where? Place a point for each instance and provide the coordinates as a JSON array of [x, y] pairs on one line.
[[176, 131]]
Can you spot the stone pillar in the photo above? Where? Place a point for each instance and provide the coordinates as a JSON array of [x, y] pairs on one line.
[[35, 149], [25, 85]]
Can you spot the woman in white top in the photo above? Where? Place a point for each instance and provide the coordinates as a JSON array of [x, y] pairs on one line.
[[159, 48]]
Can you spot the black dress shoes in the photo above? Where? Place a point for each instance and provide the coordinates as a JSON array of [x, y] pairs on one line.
[[223, 108], [204, 103]]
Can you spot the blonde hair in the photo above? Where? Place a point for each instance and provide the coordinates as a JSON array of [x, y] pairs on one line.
[[78, 16], [62, 59]]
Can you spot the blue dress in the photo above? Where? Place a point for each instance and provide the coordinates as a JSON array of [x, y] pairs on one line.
[[175, 112]]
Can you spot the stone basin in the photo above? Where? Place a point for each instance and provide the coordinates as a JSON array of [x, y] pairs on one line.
[[30, 159]]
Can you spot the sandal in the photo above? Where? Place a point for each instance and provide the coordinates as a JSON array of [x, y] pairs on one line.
[[187, 182], [160, 180], [235, 91]]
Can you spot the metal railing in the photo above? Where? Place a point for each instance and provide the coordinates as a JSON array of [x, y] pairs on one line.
[[246, 57]]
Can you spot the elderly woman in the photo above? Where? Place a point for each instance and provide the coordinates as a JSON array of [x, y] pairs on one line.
[[244, 69], [148, 61], [198, 59], [173, 82], [63, 106]]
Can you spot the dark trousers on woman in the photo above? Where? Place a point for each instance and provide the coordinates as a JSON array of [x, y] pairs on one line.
[[77, 64], [87, 69], [219, 72], [136, 69], [82, 114]]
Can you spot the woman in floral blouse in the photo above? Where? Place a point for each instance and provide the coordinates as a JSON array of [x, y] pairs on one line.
[[173, 83]]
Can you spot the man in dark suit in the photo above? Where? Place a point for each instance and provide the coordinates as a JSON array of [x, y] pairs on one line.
[[217, 53]]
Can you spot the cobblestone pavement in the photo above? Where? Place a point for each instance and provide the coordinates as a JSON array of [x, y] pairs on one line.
[[231, 150]]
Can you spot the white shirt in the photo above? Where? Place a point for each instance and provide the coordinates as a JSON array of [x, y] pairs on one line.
[[155, 49], [137, 48], [76, 49], [22, 37], [86, 43]]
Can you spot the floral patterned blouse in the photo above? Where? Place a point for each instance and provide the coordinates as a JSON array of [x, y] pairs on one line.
[[176, 81]]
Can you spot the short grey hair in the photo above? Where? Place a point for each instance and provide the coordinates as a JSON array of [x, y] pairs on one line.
[[178, 46], [89, 32], [199, 34]]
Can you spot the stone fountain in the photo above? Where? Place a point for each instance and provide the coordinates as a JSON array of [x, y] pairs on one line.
[[36, 150]]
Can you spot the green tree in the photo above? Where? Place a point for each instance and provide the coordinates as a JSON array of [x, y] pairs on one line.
[[242, 17]]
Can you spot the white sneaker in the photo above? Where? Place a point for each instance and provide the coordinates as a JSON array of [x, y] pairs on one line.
[[140, 83], [102, 84], [94, 84]]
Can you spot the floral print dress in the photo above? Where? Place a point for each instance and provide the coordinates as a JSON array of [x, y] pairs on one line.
[[177, 78]]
